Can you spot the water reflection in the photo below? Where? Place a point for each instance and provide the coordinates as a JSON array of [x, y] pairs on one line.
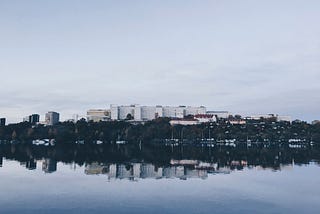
[[136, 171], [132, 162]]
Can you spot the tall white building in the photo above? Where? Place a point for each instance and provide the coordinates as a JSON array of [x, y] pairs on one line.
[[122, 112], [190, 110], [159, 111], [173, 112], [148, 112], [114, 110]]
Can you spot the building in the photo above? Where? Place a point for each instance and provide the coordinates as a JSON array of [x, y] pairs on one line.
[[184, 122], [219, 114], [284, 118], [276, 117], [262, 116], [205, 118], [97, 115], [130, 112], [2, 121], [49, 165], [149, 112], [145, 113], [237, 122], [173, 112], [52, 118], [190, 110], [315, 122], [34, 118]]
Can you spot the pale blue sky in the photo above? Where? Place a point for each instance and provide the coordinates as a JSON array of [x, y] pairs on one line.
[[245, 56]]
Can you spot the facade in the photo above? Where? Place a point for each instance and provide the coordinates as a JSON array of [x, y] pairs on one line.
[[34, 118], [114, 111], [125, 112], [145, 113], [205, 118], [159, 111], [52, 118], [173, 112], [2, 121], [237, 122], [190, 110], [184, 122], [284, 118], [219, 114], [148, 112], [263, 116], [278, 118], [97, 115]]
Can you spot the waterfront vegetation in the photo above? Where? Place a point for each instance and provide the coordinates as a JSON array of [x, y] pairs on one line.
[[159, 130], [160, 155]]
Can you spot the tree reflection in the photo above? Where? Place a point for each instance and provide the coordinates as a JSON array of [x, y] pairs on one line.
[[132, 161]]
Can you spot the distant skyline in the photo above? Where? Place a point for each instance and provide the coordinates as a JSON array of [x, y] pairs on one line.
[[246, 57]]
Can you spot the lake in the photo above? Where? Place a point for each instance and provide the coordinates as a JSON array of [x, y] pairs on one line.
[[120, 179]]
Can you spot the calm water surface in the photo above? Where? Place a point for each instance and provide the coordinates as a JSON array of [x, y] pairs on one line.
[[55, 187]]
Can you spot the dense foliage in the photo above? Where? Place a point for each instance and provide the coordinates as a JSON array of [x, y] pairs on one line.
[[255, 131]]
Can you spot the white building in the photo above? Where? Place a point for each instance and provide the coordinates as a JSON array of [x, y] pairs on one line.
[[159, 111], [190, 110], [173, 112], [184, 122], [123, 112], [148, 112], [263, 116], [97, 115], [284, 118], [114, 111], [144, 113], [205, 118], [219, 114], [270, 116]]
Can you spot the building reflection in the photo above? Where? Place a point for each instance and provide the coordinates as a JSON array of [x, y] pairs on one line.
[[182, 169], [49, 165], [31, 164], [131, 163]]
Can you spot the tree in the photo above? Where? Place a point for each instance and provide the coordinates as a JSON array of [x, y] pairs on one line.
[[129, 117]]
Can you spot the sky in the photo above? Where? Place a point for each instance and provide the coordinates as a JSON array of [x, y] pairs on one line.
[[247, 57]]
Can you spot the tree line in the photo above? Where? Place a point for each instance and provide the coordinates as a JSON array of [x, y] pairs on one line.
[[159, 129]]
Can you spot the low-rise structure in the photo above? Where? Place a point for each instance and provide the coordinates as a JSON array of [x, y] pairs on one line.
[[278, 118], [315, 122], [205, 118], [184, 122], [219, 114], [237, 122], [97, 115]]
